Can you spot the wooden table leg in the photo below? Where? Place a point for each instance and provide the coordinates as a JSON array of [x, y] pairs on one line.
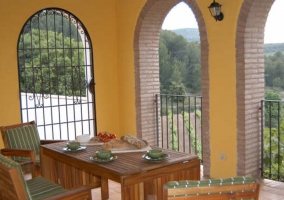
[[104, 188], [124, 192], [130, 192]]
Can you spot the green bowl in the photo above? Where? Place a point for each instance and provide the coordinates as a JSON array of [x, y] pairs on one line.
[[73, 145], [155, 153], [103, 154]]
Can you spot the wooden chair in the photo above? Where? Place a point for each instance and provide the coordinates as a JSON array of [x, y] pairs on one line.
[[13, 186], [22, 143], [213, 189]]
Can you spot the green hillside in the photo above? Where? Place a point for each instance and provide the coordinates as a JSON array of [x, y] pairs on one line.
[[192, 35]]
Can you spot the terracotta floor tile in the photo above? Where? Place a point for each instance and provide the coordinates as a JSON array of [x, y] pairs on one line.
[[114, 192]]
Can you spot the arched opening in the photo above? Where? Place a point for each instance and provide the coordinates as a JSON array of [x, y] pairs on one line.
[[179, 101], [146, 46], [56, 75]]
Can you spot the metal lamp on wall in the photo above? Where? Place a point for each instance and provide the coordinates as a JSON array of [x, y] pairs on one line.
[[215, 10]]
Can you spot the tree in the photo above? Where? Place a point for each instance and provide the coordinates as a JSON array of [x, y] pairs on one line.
[[272, 113], [179, 63], [176, 75], [56, 21], [45, 69], [274, 70], [177, 88], [165, 68], [273, 152], [193, 73]]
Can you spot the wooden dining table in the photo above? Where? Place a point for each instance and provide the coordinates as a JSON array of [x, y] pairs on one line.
[[139, 178]]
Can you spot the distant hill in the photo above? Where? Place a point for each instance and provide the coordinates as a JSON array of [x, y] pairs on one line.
[[192, 35], [270, 49]]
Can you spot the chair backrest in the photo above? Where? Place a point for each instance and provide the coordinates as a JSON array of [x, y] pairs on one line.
[[229, 188], [21, 136], [12, 183]]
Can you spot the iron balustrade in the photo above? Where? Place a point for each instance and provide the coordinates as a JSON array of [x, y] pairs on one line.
[[272, 139], [178, 127], [178, 123]]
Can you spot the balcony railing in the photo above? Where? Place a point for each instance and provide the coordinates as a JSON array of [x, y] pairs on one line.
[[272, 140], [179, 123]]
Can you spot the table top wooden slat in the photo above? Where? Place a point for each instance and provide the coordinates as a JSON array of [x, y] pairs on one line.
[[125, 164]]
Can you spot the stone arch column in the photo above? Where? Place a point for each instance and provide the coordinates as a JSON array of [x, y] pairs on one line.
[[250, 83], [146, 63]]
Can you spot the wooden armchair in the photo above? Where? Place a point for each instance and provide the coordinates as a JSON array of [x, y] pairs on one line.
[[14, 186], [22, 143], [213, 189]]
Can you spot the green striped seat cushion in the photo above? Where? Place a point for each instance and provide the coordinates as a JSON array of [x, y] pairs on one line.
[[12, 164], [41, 188], [209, 182], [26, 137]]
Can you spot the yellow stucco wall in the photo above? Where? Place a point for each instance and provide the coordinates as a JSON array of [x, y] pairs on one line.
[[99, 19], [127, 14], [111, 26], [222, 74]]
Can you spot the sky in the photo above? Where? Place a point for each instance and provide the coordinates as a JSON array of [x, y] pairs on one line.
[[181, 16]]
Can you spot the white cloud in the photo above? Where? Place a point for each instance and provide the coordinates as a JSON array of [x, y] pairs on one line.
[[180, 16], [274, 28]]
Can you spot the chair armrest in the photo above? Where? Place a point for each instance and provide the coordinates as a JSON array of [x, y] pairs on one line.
[[19, 152], [81, 193], [22, 153], [42, 142]]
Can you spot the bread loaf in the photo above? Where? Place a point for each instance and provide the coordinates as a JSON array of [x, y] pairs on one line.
[[134, 141], [117, 144]]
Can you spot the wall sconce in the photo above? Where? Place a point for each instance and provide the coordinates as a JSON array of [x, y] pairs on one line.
[[215, 10]]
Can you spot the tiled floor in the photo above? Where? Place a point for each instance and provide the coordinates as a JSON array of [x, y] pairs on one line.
[[114, 192], [271, 190]]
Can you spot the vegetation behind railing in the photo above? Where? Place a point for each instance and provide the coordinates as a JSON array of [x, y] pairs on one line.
[[179, 123], [272, 139]]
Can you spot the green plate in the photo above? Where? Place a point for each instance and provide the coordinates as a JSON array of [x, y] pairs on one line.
[[163, 157], [95, 158]]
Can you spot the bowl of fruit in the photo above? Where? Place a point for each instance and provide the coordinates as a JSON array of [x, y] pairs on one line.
[[106, 136]]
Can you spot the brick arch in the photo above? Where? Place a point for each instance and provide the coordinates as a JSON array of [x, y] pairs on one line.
[[250, 83], [146, 63]]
